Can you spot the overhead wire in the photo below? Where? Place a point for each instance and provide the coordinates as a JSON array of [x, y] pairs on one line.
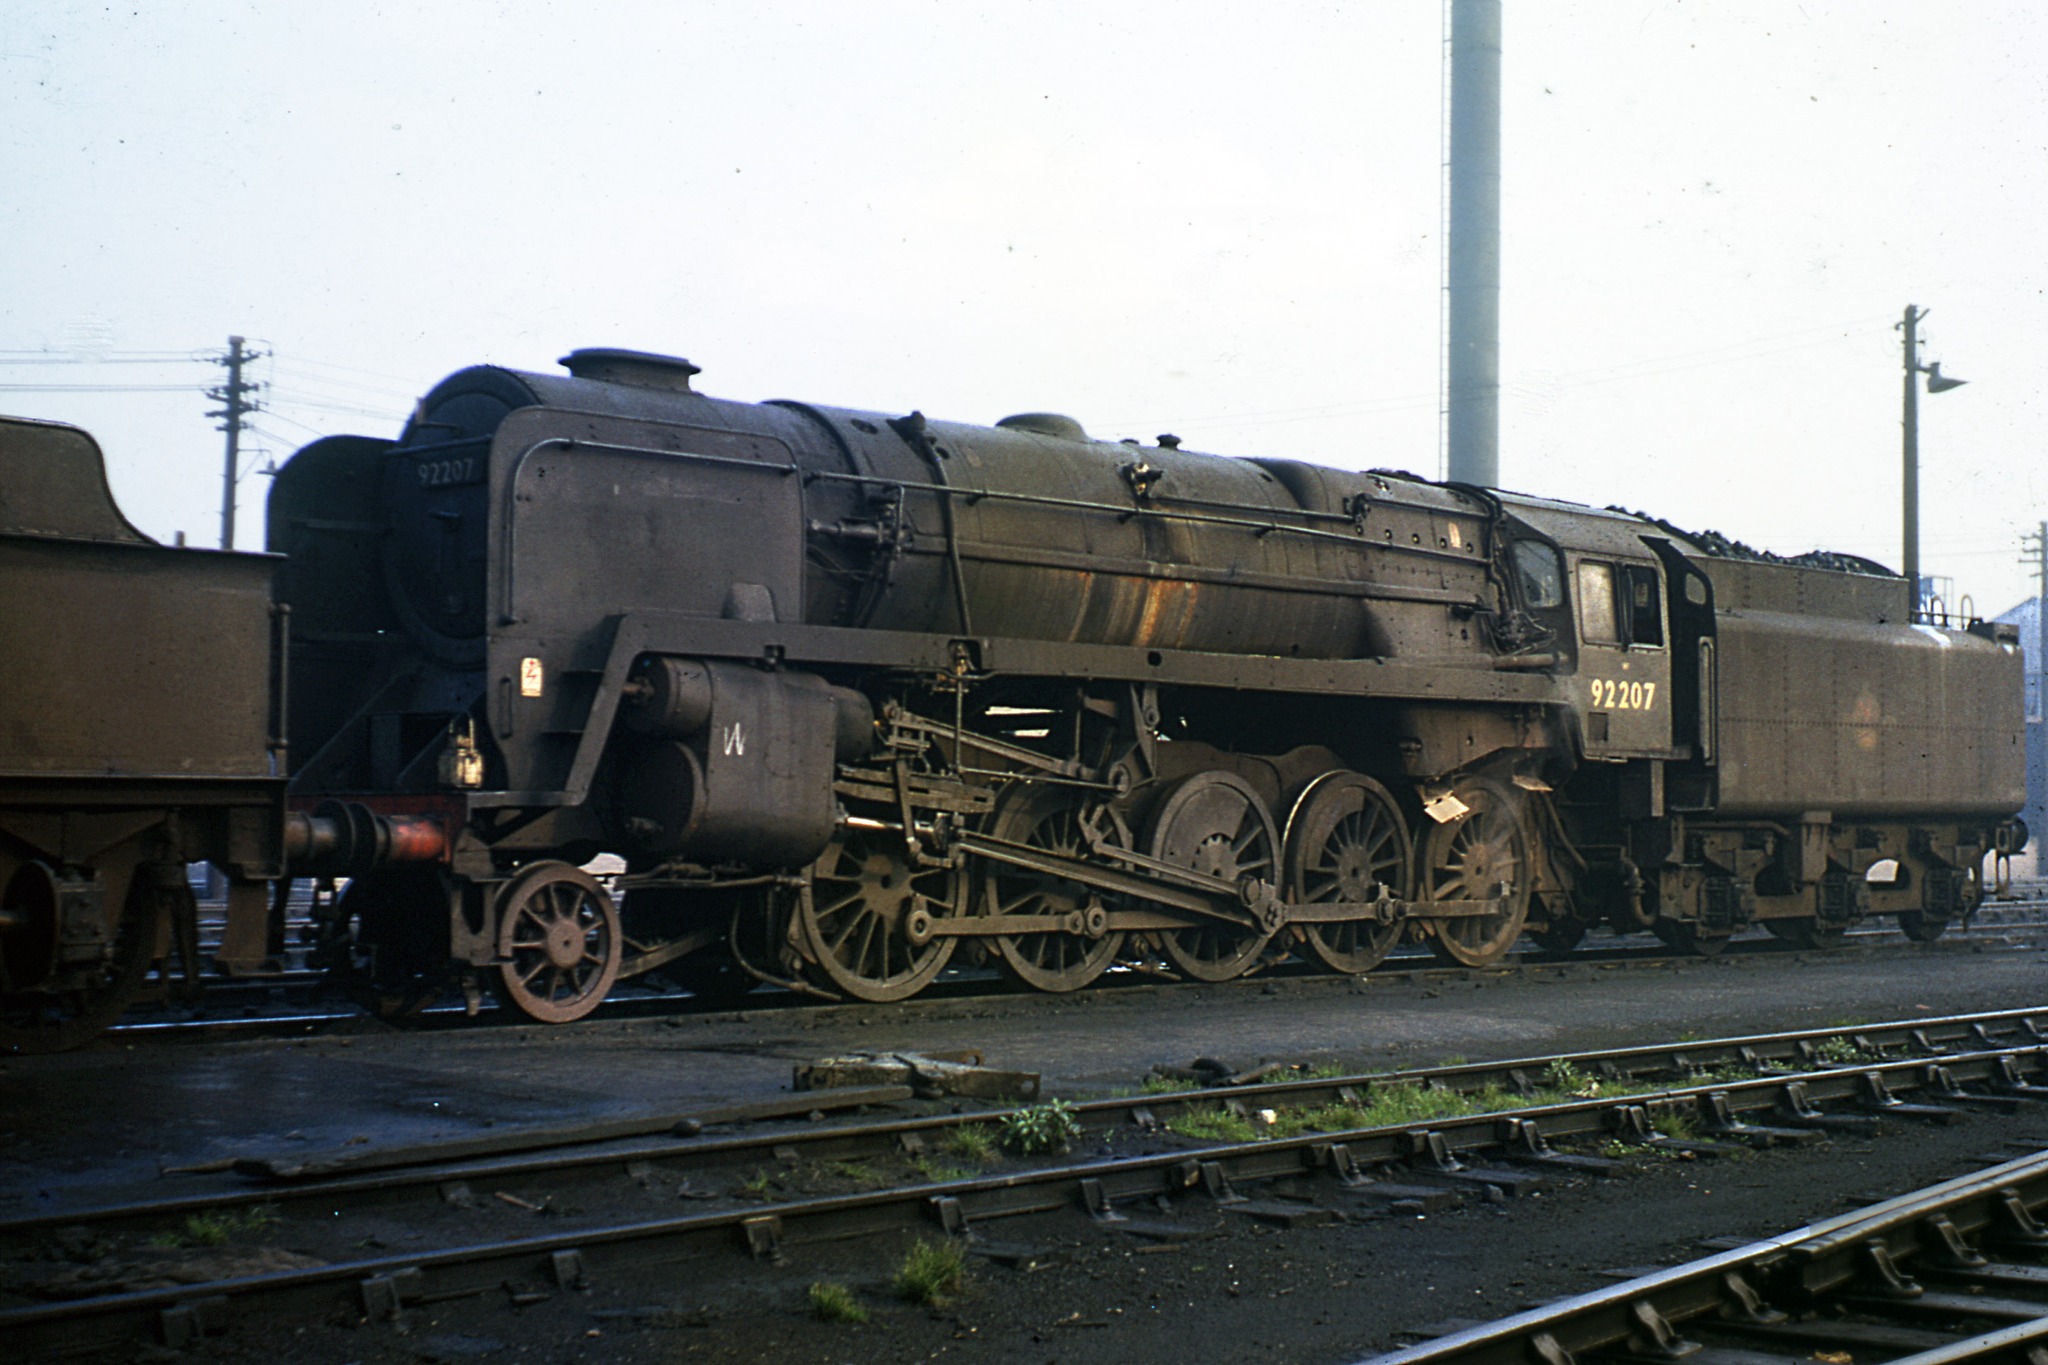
[[407, 380], [298, 398], [1650, 367], [103, 388], [103, 360]]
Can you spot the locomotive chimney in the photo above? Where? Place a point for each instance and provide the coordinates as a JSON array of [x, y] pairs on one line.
[[642, 369]]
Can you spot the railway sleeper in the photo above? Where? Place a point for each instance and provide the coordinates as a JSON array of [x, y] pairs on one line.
[[1877, 1096], [1719, 1118]]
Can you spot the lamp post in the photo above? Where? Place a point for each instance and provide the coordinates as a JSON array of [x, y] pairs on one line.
[[1937, 382]]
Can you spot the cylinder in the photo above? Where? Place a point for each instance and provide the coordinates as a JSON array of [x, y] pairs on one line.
[[661, 797], [668, 698]]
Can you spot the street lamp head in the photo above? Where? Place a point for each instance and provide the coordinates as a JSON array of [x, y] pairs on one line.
[[1937, 382]]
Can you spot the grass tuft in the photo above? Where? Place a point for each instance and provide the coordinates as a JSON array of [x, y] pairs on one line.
[[1214, 1123], [932, 1272], [1674, 1122], [832, 1302], [973, 1142], [217, 1228], [937, 1172]]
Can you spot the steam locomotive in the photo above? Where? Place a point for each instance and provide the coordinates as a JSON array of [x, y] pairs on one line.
[[851, 693]]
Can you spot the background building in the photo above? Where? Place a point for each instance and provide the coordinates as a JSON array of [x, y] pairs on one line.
[[2027, 616]]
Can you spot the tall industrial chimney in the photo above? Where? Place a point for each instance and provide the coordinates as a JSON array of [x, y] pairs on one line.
[[1472, 247]]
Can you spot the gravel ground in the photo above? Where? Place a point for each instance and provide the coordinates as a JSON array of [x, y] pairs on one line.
[[1239, 1291]]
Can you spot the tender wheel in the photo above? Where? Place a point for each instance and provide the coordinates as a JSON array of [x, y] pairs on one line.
[[856, 925], [1922, 927], [1561, 934], [1686, 936], [1479, 855], [1213, 822], [1052, 819], [1345, 841], [558, 942], [1806, 933], [38, 1021]]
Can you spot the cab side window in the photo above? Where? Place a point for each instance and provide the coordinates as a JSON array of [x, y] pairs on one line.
[[1645, 612], [1541, 575], [1597, 623]]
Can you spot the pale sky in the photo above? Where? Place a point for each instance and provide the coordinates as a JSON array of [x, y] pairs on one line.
[[1213, 219]]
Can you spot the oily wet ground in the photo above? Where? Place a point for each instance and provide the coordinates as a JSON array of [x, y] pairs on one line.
[[1239, 1291]]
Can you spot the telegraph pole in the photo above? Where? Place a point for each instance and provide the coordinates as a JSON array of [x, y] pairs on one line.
[[1937, 382], [235, 404], [2036, 558], [2036, 718], [1910, 327]]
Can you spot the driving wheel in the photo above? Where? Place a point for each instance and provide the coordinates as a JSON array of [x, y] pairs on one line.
[[1482, 854], [1346, 842], [1052, 819], [860, 924], [1214, 823], [559, 944]]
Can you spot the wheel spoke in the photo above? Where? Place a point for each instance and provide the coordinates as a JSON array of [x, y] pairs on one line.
[[1046, 818], [1203, 816], [852, 926], [854, 923], [553, 911], [1483, 857]]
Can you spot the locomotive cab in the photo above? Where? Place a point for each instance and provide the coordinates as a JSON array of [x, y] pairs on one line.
[[1606, 594]]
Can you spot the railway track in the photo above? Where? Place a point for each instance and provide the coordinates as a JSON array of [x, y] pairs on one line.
[[294, 1003], [1288, 1152], [1952, 1273]]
